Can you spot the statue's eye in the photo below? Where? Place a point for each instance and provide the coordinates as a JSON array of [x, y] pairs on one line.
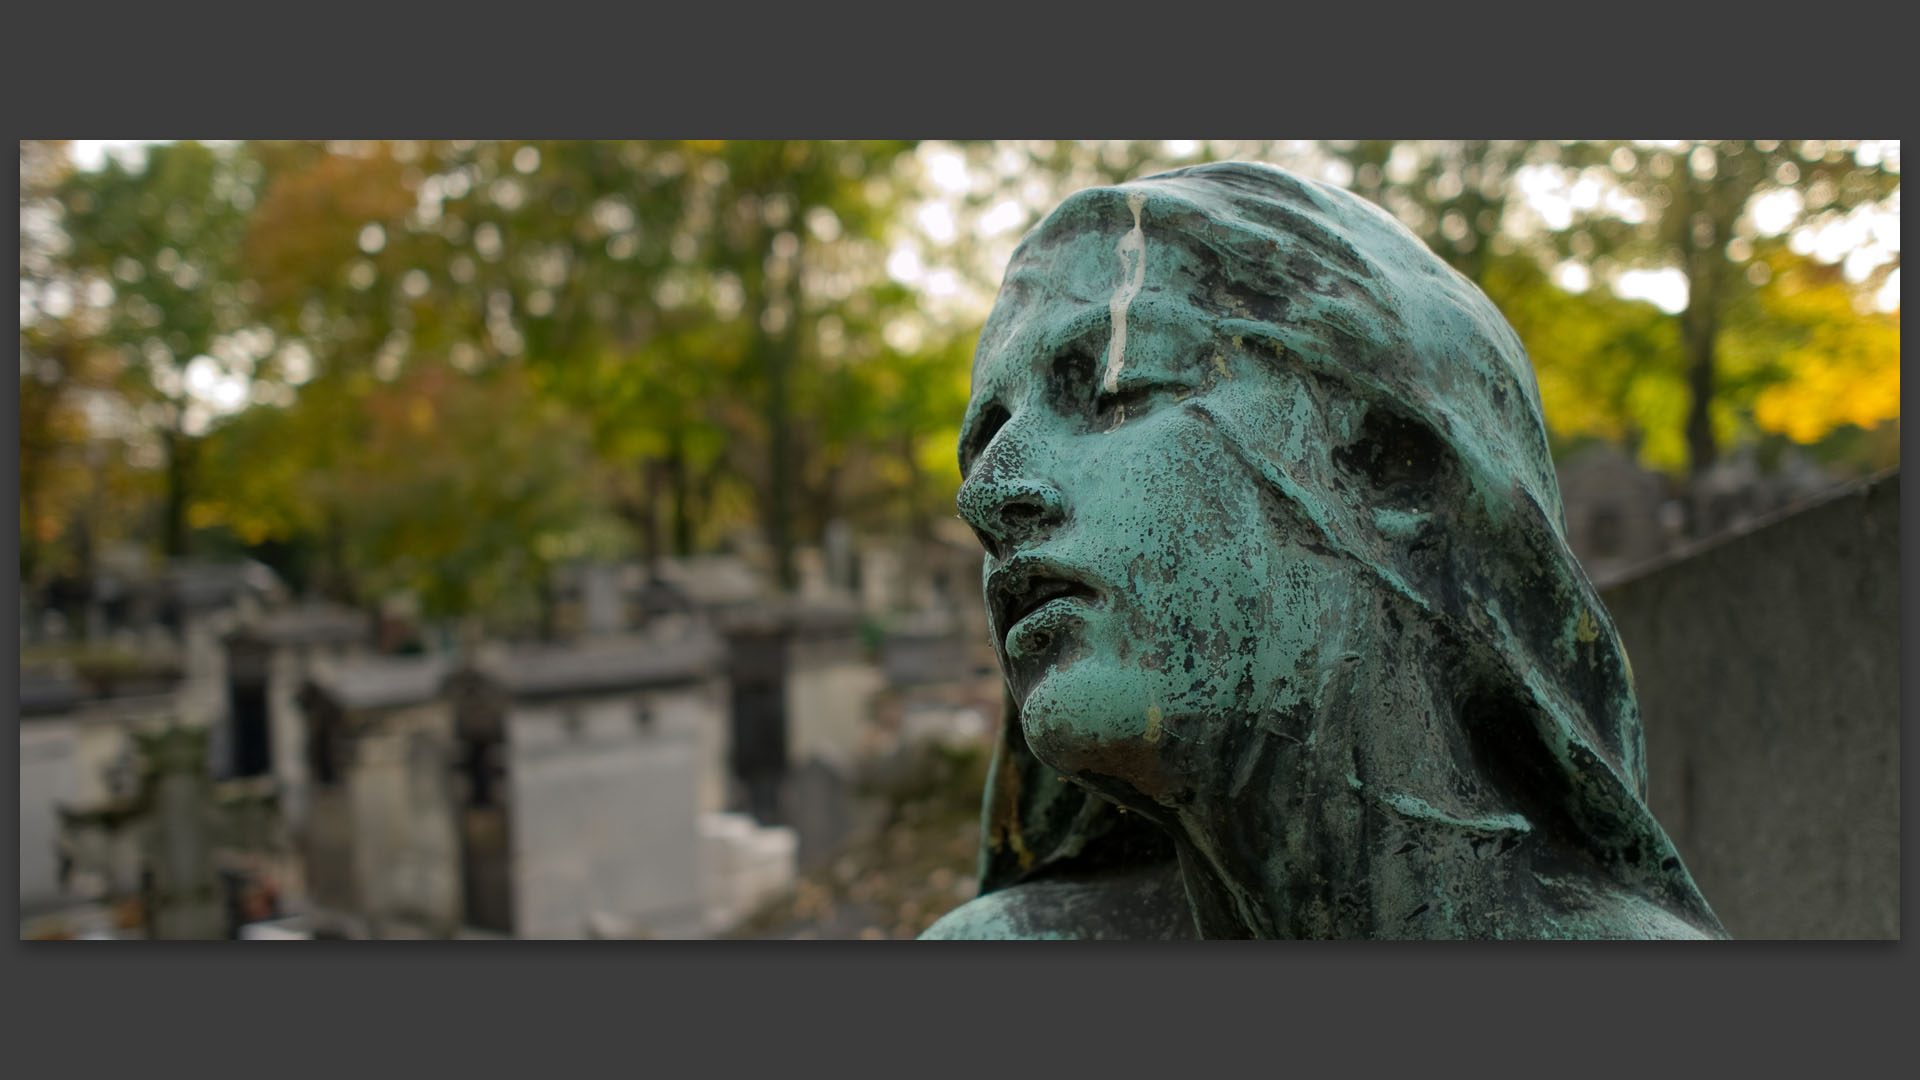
[[1070, 378], [1399, 458], [1130, 399]]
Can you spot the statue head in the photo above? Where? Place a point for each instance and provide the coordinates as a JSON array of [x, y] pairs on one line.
[[1276, 563]]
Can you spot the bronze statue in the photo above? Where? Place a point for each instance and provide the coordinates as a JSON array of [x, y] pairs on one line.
[[1276, 568]]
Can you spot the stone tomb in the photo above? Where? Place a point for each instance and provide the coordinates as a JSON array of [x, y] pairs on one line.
[[76, 750], [582, 770], [382, 841], [803, 701], [267, 661]]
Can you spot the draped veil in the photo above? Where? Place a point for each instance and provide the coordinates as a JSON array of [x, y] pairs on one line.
[[1468, 545]]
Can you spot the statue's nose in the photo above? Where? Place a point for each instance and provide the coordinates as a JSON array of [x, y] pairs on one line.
[[1009, 513]]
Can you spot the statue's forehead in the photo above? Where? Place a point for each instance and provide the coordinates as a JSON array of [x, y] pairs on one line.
[[1063, 293]]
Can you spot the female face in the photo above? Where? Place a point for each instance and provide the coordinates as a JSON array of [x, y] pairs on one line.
[[1150, 596]]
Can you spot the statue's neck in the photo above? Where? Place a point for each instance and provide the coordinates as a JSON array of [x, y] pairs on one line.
[[1369, 874], [1323, 840], [1219, 905]]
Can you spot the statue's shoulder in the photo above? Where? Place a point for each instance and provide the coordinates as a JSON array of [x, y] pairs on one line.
[[1007, 915], [1641, 919], [1140, 904]]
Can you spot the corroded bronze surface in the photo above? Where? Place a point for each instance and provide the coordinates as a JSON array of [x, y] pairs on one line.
[[1294, 644]]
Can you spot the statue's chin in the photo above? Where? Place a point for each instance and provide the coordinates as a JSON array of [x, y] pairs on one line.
[[1126, 767], [1097, 719]]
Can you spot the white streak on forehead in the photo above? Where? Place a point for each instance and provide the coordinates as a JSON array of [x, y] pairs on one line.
[[1132, 250]]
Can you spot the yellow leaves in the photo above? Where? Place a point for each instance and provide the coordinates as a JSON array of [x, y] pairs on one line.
[[1572, 409], [1597, 358], [1827, 390], [203, 515], [1796, 358], [1658, 403], [1841, 367], [934, 454], [309, 220]]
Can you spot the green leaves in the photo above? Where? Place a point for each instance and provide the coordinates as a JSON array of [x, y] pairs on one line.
[[1714, 213], [629, 347]]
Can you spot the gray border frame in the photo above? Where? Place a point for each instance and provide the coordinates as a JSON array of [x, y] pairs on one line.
[[535, 1007]]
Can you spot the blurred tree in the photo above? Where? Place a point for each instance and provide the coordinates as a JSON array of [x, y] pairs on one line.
[[693, 336], [157, 250], [778, 205], [1821, 364], [605, 279], [1601, 361], [1672, 389], [476, 525], [1453, 194], [1692, 205], [339, 246], [50, 370], [650, 286]]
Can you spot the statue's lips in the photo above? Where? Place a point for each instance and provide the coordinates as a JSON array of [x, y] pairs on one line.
[[1025, 585]]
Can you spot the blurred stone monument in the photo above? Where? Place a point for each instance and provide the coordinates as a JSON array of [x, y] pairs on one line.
[[268, 660], [582, 775], [381, 843], [170, 836]]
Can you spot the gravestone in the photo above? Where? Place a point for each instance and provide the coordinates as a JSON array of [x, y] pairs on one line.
[[49, 778], [381, 844], [267, 662], [819, 804], [802, 689], [78, 749], [1619, 515], [1278, 578], [603, 607], [175, 843], [582, 768]]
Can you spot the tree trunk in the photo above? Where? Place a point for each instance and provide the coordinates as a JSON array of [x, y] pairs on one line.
[[33, 458], [919, 527], [774, 352], [1699, 327], [547, 600], [181, 449], [677, 485], [648, 511], [778, 362], [335, 579], [779, 351]]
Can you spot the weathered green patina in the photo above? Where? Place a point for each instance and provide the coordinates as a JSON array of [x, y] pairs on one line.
[[1294, 644]]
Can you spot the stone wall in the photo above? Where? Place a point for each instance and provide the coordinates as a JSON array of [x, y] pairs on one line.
[[1768, 672]]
